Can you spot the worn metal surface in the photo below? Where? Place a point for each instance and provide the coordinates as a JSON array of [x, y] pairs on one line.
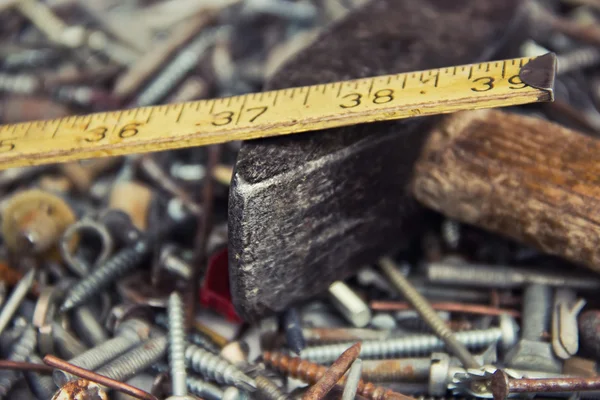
[[307, 210]]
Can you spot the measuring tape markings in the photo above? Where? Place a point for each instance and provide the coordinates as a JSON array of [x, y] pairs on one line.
[[255, 115]]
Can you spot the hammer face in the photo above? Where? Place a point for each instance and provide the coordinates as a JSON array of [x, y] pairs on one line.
[[309, 209]]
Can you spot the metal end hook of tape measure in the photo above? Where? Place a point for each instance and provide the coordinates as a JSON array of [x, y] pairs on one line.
[[540, 73]]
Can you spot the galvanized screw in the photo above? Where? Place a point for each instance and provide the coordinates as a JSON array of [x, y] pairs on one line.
[[135, 360], [428, 313], [129, 334], [216, 368], [115, 267], [42, 386], [268, 389], [88, 327], [177, 345], [66, 344], [577, 59], [203, 389], [20, 351], [16, 298]]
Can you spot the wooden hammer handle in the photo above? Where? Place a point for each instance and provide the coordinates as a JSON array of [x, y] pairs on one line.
[[523, 177]]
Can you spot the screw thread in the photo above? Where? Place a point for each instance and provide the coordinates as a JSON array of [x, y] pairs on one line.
[[177, 345], [536, 311], [268, 389], [402, 347], [101, 354], [88, 327], [135, 360], [20, 351], [117, 266], [311, 373], [216, 368], [42, 386], [196, 338], [578, 59], [203, 389]]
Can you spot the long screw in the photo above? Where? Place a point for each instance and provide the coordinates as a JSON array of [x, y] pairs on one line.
[[502, 385], [268, 389], [203, 389], [20, 351], [15, 299], [217, 369], [427, 312], [130, 333], [311, 373], [115, 267], [177, 345]]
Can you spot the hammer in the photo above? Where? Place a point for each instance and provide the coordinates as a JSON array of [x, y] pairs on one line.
[[306, 210]]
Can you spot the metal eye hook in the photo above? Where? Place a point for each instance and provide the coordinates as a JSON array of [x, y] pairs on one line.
[[88, 225]]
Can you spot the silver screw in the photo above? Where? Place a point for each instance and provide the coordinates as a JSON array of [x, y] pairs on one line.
[[130, 333], [16, 298], [203, 389], [136, 360], [217, 369], [349, 304], [19, 84], [352, 380], [427, 312], [174, 264], [577, 59], [115, 267], [67, 344], [20, 351], [42, 386], [268, 389], [177, 345], [402, 347], [177, 69], [504, 277]]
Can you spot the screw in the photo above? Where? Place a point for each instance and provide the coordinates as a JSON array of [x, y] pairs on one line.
[[349, 304], [87, 326], [405, 346], [16, 298], [42, 386], [177, 346], [178, 68], [115, 267], [216, 368], [333, 374], [399, 369], [502, 386], [129, 334], [351, 386], [268, 389], [170, 262], [203, 389], [301, 12], [311, 373], [427, 313], [293, 330], [19, 84], [504, 277], [67, 344], [577, 59], [20, 351], [135, 360]]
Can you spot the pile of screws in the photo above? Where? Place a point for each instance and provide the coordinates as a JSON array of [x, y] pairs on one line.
[[112, 269]]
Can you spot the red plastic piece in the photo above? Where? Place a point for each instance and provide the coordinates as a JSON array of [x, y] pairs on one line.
[[215, 293]]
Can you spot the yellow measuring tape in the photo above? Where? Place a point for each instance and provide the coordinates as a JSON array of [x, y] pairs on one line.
[[272, 113]]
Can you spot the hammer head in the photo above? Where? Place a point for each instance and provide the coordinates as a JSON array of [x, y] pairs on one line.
[[306, 210]]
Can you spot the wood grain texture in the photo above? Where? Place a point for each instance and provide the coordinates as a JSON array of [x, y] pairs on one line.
[[306, 210], [523, 177]]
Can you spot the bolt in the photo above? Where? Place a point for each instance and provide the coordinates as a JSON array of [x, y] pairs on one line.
[[292, 324], [16, 298], [178, 68], [115, 267], [129, 333], [268, 390], [577, 59], [414, 345], [20, 351], [351, 386], [42, 386], [531, 353], [427, 313], [203, 389], [177, 346], [311, 373], [135, 360], [502, 385], [333, 374], [349, 304], [216, 368], [504, 277]]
